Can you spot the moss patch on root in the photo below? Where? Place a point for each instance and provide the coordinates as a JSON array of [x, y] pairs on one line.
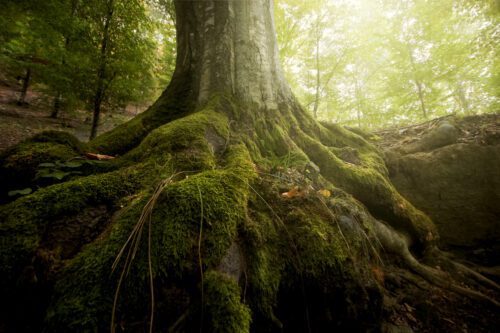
[[27, 218], [222, 305], [85, 291], [193, 143], [19, 164]]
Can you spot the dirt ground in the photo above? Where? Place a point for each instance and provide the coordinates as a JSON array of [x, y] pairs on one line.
[[21, 122], [481, 129]]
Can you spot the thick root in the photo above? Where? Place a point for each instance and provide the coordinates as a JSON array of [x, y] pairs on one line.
[[394, 243]]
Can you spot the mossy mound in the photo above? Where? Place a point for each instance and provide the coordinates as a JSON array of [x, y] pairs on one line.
[[209, 227], [19, 165]]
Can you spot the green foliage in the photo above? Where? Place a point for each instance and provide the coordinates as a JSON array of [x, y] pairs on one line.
[[25, 191], [72, 54], [374, 64]]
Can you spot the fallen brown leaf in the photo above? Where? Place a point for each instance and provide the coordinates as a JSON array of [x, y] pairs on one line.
[[99, 157]]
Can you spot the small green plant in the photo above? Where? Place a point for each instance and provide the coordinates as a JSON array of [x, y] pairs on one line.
[[59, 170], [22, 192]]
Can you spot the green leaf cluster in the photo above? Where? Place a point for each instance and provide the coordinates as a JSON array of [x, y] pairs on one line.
[[73, 55], [377, 63]]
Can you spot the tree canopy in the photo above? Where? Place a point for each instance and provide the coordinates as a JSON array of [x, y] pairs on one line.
[[376, 63]]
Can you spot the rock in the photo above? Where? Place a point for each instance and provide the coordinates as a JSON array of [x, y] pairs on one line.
[[443, 135], [232, 263]]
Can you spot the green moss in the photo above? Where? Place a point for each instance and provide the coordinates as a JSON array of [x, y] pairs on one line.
[[223, 306], [216, 197], [316, 239], [295, 246], [368, 184], [194, 142], [28, 217], [263, 244], [124, 137], [19, 164]]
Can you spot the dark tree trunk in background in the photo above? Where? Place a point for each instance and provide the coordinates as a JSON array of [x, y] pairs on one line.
[[418, 83], [102, 70], [57, 106], [67, 41], [24, 89], [421, 98]]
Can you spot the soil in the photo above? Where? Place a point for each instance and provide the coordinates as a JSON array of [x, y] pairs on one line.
[[481, 129], [19, 122]]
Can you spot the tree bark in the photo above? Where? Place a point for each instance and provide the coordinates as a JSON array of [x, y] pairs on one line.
[[101, 73], [67, 42], [318, 78], [24, 89], [229, 47]]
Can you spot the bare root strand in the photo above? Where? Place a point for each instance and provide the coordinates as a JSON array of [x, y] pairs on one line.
[[132, 243], [395, 243], [434, 277], [200, 263], [472, 274]]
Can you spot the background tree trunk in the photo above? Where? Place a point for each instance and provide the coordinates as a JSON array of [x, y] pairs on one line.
[[101, 72], [24, 89]]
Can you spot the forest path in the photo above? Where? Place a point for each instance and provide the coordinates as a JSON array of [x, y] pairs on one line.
[[18, 123]]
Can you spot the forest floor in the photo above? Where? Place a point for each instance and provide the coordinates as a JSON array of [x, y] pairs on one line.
[[19, 122], [481, 129], [415, 305]]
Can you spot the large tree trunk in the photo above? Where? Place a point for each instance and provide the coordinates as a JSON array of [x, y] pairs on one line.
[[228, 209], [230, 47]]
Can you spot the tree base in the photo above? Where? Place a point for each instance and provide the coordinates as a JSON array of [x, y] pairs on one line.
[[262, 225]]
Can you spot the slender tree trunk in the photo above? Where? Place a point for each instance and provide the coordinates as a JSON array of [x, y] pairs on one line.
[[101, 73], [418, 83], [24, 89], [462, 99], [57, 105], [421, 97], [67, 42], [358, 102], [318, 79]]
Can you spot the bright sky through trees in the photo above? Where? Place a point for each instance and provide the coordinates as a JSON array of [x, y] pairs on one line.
[[374, 63]]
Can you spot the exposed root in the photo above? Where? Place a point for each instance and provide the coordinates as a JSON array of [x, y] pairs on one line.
[[395, 244], [132, 244], [200, 264], [468, 272]]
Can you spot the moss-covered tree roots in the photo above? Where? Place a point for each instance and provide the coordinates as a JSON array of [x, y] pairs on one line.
[[218, 245]]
